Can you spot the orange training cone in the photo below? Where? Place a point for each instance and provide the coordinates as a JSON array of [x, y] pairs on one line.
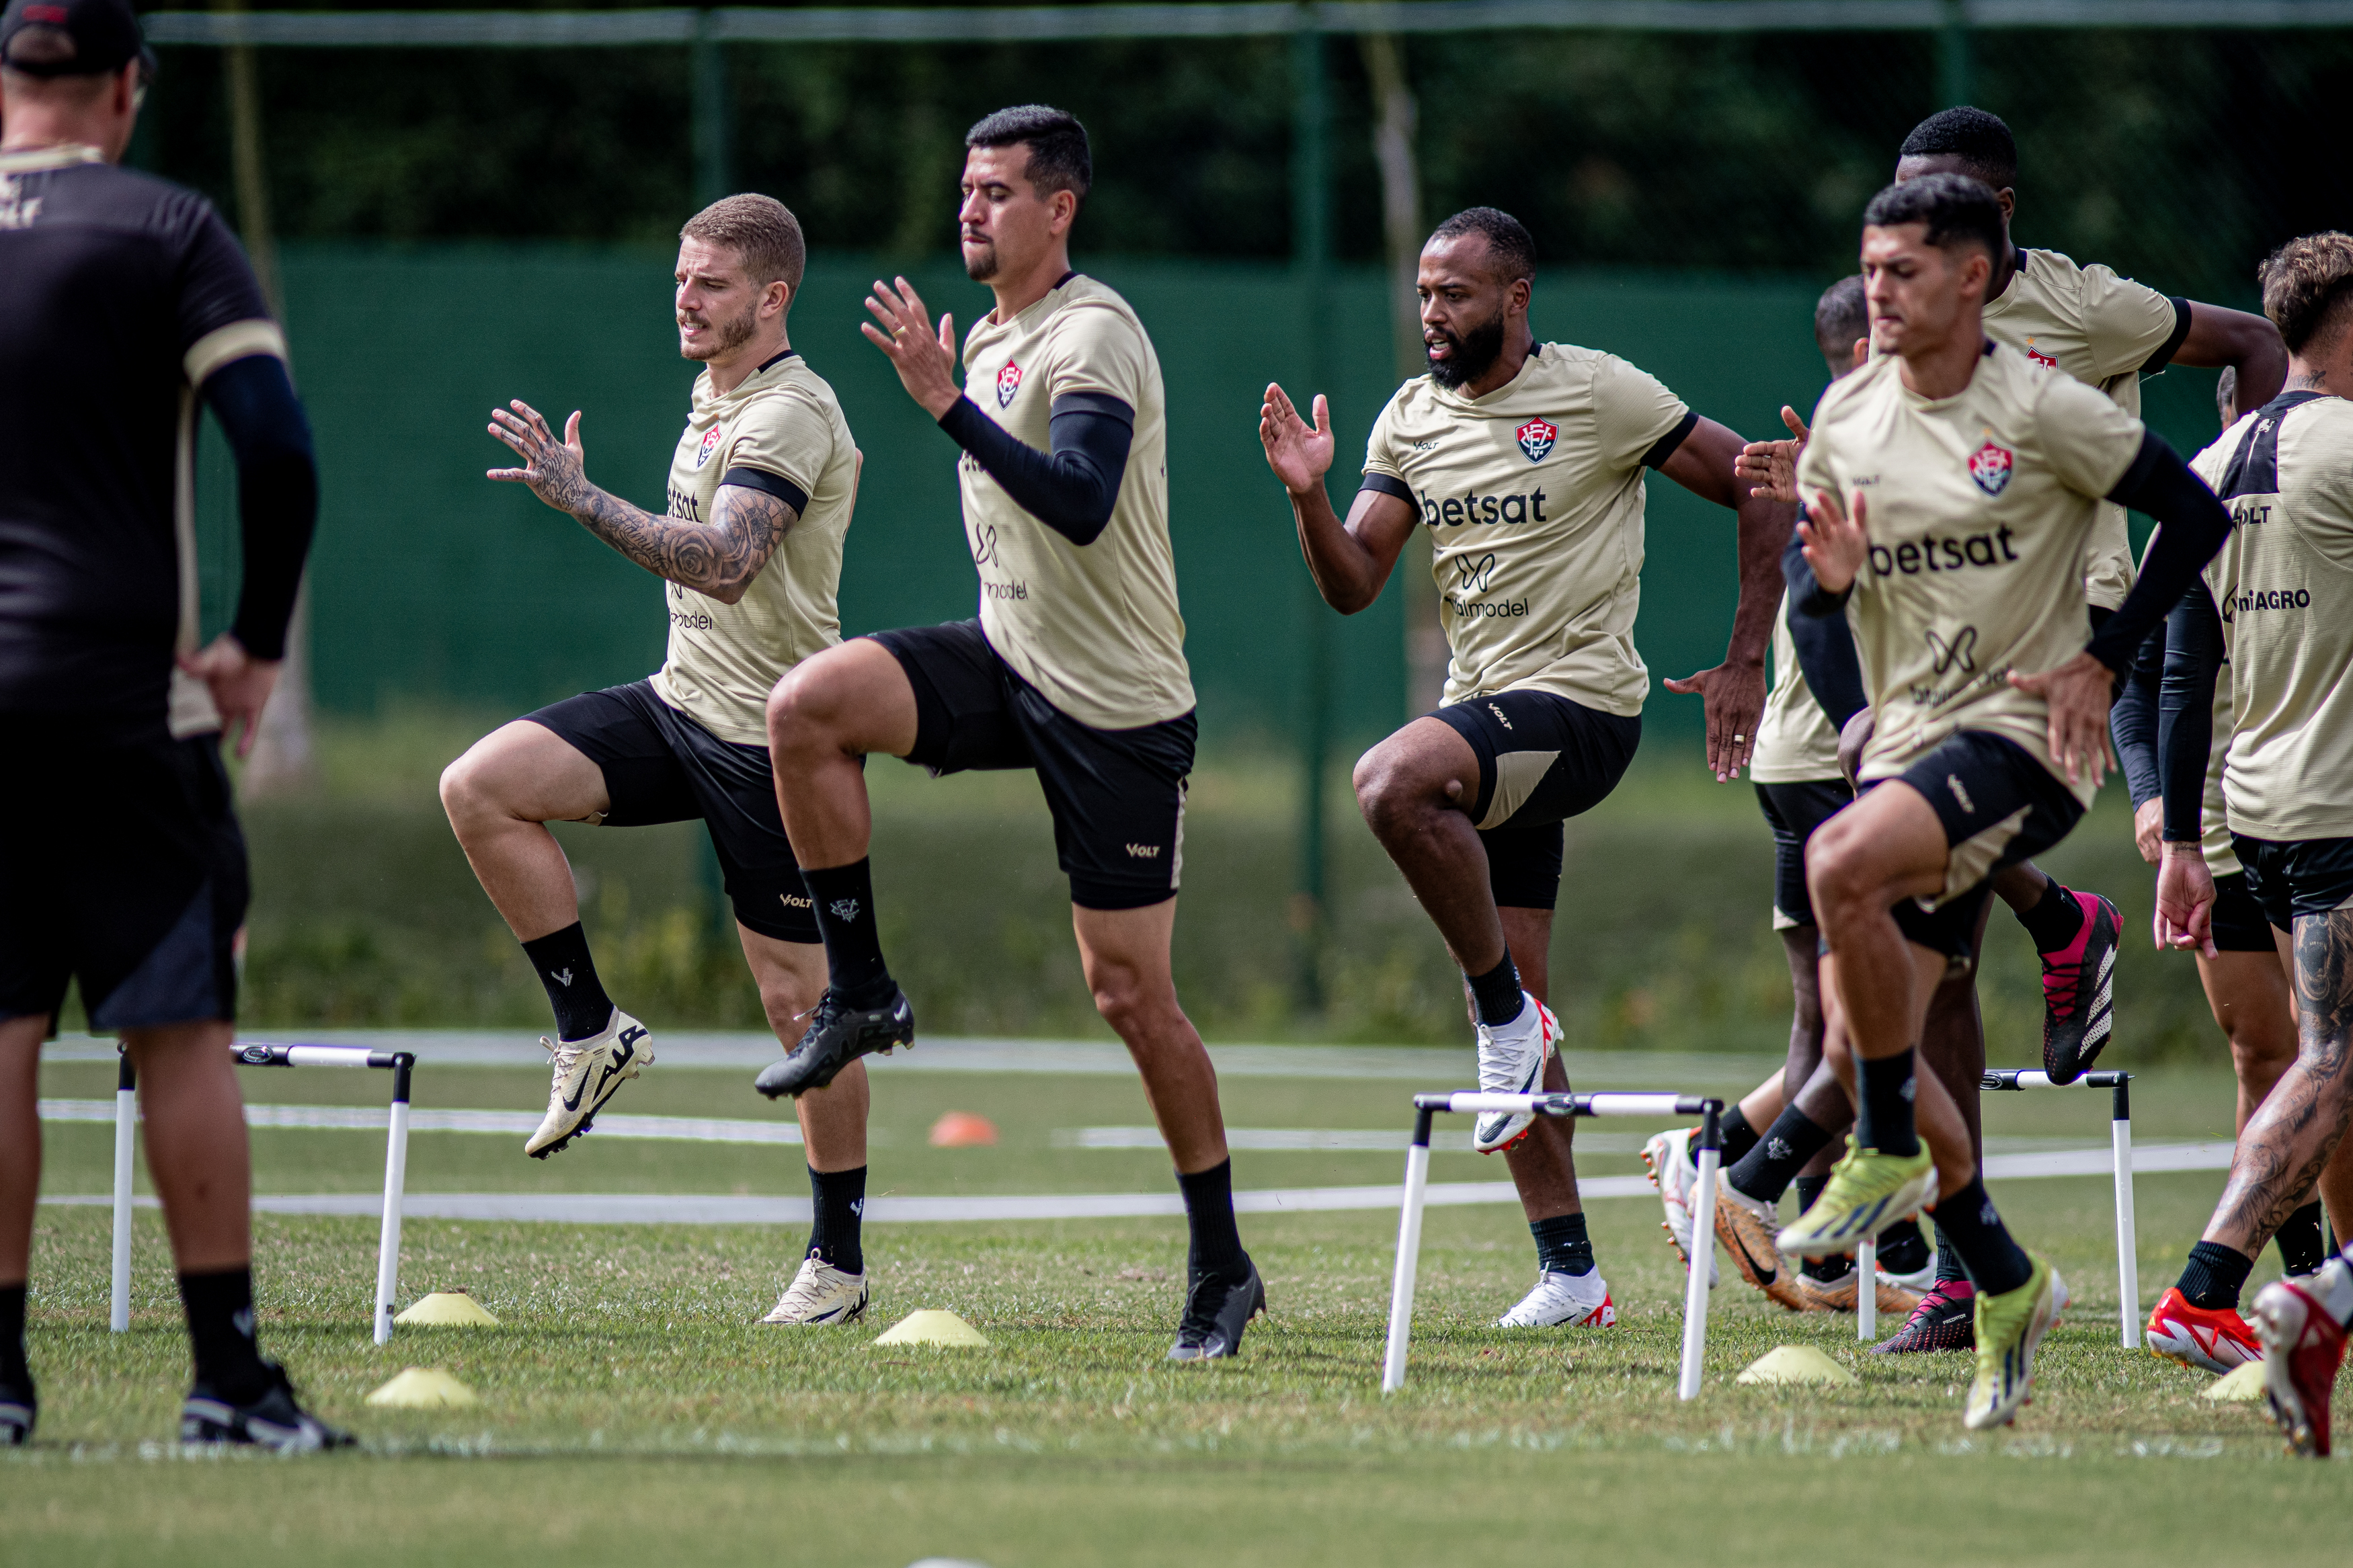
[[963, 1129]]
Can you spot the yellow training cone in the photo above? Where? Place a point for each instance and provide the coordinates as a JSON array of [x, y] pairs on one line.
[[2241, 1382], [423, 1388], [448, 1310], [931, 1327], [1794, 1365]]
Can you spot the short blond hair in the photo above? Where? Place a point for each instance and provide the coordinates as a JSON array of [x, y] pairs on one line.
[[2308, 288], [762, 230]]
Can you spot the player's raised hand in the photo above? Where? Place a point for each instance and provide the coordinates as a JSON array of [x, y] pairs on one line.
[[2079, 693], [1835, 546], [1771, 466], [1299, 454], [2185, 901], [555, 470], [924, 356]]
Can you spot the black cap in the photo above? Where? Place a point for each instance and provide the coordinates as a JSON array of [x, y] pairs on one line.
[[101, 36]]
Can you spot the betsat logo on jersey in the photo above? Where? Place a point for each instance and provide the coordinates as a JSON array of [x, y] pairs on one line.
[[709, 445], [1990, 467], [1008, 382], [1535, 438]]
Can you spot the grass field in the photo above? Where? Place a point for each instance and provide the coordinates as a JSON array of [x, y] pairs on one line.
[[630, 1408]]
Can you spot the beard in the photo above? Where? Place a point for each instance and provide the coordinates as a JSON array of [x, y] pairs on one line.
[[980, 265], [1471, 355], [732, 334]]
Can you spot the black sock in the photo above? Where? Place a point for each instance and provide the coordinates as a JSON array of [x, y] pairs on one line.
[[1735, 1136], [1809, 1188], [1950, 1270], [844, 897], [1901, 1248], [1883, 1118], [2300, 1247], [2054, 919], [1217, 1246], [16, 1372], [1775, 1159], [837, 1199], [2214, 1276], [1995, 1263], [1562, 1247], [220, 1331], [1497, 992], [581, 1008]]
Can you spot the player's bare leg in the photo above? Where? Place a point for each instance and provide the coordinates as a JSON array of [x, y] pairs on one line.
[[832, 711], [20, 1143]]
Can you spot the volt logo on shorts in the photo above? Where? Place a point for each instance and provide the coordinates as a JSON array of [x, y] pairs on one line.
[[1536, 437], [1960, 794], [1145, 851], [1500, 719]]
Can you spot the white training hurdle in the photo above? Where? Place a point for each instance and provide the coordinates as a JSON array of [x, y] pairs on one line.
[[396, 1161], [1417, 1190], [2120, 1144]]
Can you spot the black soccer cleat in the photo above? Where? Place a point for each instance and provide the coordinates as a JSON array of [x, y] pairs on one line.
[[838, 1035], [2079, 993], [272, 1420], [1216, 1312], [1942, 1321], [18, 1410]]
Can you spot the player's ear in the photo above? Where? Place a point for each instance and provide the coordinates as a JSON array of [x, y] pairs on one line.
[[1861, 353], [776, 298], [2009, 200]]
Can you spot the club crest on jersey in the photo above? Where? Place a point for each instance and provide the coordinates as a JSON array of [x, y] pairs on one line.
[[2039, 357], [709, 445], [1008, 382], [1536, 437], [1990, 465]]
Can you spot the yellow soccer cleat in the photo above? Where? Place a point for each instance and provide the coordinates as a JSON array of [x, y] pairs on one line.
[[2009, 1329], [1868, 1192]]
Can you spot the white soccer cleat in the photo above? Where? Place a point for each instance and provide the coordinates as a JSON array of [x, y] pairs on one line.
[[1668, 1157], [1512, 1061], [1564, 1301], [586, 1074], [819, 1293]]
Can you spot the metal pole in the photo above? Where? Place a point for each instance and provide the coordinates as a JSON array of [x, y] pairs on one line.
[[1703, 1251], [126, 1136], [2127, 1250], [1953, 56], [396, 1178], [1408, 1255], [712, 176], [1311, 232]]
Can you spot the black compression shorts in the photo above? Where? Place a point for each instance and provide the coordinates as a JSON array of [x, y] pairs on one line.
[[1793, 811], [2239, 925], [1542, 760], [121, 866], [1117, 795], [659, 765], [1998, 806], [2293, 878]]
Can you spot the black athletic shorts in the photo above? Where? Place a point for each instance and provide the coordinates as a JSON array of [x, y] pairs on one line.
[[2293, 878], [1793, 811], [1543, 759], [1998, 806], [121, 866], [659, 765], [2239, 925], [1117, 795]]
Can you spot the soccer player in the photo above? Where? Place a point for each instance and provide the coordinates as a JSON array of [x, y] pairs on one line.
[[749, 550], [124, 302], [1951, 489], [2106, 331], [1525, 460], [1075, 667], [2286, 618]]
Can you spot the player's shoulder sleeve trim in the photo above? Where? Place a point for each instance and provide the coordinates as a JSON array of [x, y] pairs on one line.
[[1664, 446], [1103, 402], [239, 340], [2173, 339], [1389, 486], [766, 483]]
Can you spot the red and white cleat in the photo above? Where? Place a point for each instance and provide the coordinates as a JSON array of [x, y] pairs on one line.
[[2211, 1339], [2303, 1344]]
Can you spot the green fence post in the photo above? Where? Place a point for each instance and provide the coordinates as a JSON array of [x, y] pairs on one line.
[[1311, 240], [1953, 73], [712, 177]]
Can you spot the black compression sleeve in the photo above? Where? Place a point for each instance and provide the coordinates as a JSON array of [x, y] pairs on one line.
[[1826, 656], [1807, 594], [2185, 712], [1072, 490], [276, 493], [2193, 526], [2132, 720]]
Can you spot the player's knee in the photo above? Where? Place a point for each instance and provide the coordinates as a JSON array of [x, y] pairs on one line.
[[799, 713], [465, 793], [1387, 793], [1839, 875]]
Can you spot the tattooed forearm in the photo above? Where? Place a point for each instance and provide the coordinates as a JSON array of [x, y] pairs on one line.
[[2290, 1137], [718, 558]]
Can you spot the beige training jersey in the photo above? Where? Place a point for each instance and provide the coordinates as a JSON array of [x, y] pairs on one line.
[[1094, 627], [780, 431], [1533, 495], [1795, 743], [1981, 509], [2284, 583], [2103, 330]]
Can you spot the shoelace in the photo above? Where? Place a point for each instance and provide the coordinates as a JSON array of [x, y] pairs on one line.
[[565, 1058], [1503, 1073]]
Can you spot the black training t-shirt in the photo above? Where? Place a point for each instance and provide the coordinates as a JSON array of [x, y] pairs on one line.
[[120, 293]]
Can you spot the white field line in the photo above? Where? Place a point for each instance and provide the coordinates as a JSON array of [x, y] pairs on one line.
[[645, 1208], [371, 1118]]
